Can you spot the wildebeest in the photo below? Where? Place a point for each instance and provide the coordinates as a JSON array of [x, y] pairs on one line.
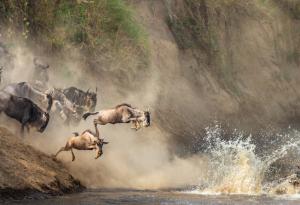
[[86, 100], [86, 141], [65, 107], [24, 111], [123, 113], [25, 90], [40, 75]]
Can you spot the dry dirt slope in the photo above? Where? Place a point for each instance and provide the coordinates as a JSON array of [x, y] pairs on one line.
[[25, 171], [236, 62]]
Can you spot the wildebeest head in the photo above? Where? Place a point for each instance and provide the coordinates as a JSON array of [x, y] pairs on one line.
[[146, 118], [100, 145], [91, 100], [41, 121], [44, 121], [40, 64]]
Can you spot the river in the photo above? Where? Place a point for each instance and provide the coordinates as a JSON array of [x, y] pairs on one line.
[[102, 197]]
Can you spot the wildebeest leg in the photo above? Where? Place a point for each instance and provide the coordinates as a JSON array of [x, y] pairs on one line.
[[25, 119], [136, 123], [60, 150], [22, 130], [28, 129], [97, 134], [99, 152], [73, 156], [133, 124], [99, 122]]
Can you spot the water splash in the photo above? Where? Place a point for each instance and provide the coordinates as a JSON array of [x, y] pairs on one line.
[[235, 167]]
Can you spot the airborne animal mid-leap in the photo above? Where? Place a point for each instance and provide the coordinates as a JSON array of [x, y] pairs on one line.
[[123, 113], [86, 141]]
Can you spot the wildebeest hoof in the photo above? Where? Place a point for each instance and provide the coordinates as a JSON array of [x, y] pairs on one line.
[[54, 158]]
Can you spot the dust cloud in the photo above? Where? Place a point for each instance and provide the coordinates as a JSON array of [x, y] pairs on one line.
[[132, 159]]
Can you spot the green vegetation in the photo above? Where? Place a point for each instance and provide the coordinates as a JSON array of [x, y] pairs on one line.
[[58, 23], [291, 6], [101, 31]]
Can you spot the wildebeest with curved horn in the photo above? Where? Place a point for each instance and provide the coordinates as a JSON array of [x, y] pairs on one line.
[[86, 141], [24, 111], [66, 108], [87, 100], [25, 90], [123, 113]]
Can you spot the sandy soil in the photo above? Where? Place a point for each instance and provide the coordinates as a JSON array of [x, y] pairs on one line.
[[26, 172]]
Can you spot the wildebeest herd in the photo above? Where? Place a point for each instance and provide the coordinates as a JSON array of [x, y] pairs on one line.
[[33, 105]]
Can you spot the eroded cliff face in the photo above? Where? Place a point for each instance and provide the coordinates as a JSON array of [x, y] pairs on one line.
[[236, 62]]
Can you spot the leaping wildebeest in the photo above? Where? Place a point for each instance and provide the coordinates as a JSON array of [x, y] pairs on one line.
[[123, 113], [86, 141], [24, 111]]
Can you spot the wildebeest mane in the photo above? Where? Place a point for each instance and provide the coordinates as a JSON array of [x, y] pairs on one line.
[[89, 131], [75, 95], [78, 96], [123, 104]]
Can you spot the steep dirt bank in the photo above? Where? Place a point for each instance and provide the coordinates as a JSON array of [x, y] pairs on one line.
[[236, 62], [26, 172]]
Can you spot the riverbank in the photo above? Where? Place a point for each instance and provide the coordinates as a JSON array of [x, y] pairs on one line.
[[28, 173]]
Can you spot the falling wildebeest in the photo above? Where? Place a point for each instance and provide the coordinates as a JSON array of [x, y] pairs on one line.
[[86, 141], [24, 111], [86, 100], [123, 113]]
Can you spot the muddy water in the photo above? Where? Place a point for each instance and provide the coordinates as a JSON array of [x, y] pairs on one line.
[[97, 197], [234, 174]]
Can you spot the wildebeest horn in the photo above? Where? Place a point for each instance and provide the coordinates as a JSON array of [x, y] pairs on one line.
[[96, 89], [88, 90]]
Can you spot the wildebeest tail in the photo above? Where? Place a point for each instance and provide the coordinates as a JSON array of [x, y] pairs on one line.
[[76, 134], [86, 115]]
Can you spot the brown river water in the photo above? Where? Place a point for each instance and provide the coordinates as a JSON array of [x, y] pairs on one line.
[[102, 197]]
